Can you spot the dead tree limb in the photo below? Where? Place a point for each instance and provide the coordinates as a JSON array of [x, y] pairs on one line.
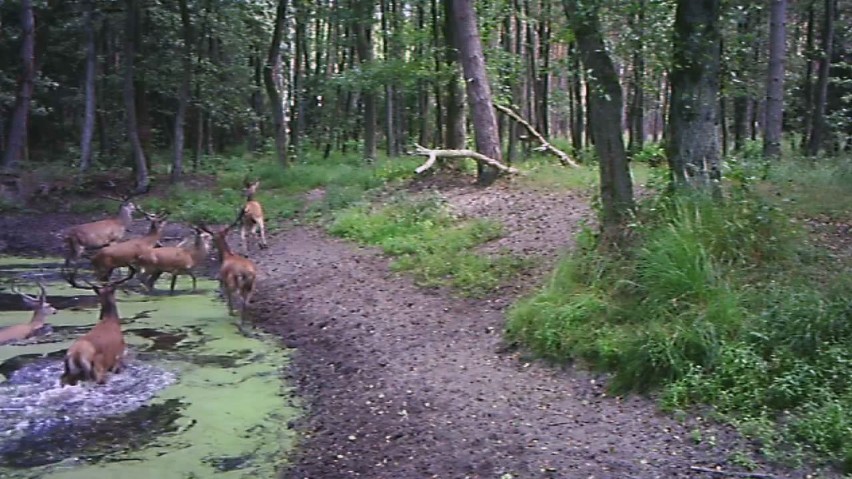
[[757, 475], [433, 156], [545, 145]]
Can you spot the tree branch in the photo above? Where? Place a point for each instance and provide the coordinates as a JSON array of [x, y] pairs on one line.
[[545, 145], [720, 472], [433, 155]]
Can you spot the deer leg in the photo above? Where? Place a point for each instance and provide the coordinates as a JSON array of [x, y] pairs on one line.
[[262, 234], [174, 280], [243, 236], [192, 275], [152, 278]]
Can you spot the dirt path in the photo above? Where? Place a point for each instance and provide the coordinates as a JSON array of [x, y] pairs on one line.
[[403, 383]]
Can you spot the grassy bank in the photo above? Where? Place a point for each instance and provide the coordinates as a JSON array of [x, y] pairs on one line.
[[720, 303]]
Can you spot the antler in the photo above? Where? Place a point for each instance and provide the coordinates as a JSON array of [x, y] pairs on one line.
[[43, 295], [25, 295], [116, 283], [72, 280]]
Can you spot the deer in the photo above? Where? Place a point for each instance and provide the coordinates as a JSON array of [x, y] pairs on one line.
[[117, 255], [98, 234], [102, 349], [237, 274], [177, 260], [253, 217], [41, 310]]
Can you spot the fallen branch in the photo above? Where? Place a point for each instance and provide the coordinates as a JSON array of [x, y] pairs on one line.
[[720, 472], [545, 145], [435, 154]]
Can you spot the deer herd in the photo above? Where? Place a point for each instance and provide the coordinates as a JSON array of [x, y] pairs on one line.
[[102, 349]]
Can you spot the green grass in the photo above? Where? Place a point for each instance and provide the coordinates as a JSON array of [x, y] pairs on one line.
[[427, 240], [344, 180], [719, 303]]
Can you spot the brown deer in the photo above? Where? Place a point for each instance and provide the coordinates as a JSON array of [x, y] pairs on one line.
[[177, 260], [102, 349], [124, 254], [252, 217], [41, 310], [237, 274], [100, 233]]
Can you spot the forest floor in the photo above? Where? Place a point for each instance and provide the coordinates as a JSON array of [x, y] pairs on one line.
[[400, 381]]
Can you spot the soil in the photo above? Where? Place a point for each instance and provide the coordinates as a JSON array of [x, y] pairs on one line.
[[400, 381]]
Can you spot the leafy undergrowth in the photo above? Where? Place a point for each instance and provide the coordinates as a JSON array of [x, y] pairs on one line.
[[343, 179], [720, 303], [428, 241]]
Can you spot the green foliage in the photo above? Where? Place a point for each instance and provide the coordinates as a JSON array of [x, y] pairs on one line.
[[427, 240], [715, 303], [344, 181]]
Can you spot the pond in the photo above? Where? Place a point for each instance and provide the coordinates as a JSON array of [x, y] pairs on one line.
[[202, 397]]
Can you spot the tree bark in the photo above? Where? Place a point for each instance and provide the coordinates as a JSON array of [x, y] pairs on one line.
[[693, 133], [819, 127], [273, 65], [17, 141], [478, 88], [89, 86], [605, 107], [140, 162], [807, 81], [637, 104], [455, 128], [183, 95], [364, 46], [775, 79]]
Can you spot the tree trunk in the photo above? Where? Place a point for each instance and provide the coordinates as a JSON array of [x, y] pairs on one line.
[[820, 126], [183, 95], [364, 46], [775, 79], [17, 141], [297, 120], [637, 105], [693, 141], [605, 107], [139, 160], [807, 81], [273, 65], [91, 78], [455, 132], [478, 88], [576, 92]]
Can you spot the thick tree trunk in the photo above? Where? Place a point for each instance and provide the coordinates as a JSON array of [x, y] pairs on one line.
[[297, 120], [273, 65], [478, 88], [455, 128], [89, 87], [775, 79], [693, 141], [578, 121], [819, 128], [364, 46], [605, 107], [139, 160], [637, 104], [17, 141], [183, 94]]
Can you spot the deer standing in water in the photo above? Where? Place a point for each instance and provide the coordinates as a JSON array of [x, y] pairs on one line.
[[237, 274], [41, 310], [177, 260], [102, 349], [252, 217], [98, 234], [124, 254]]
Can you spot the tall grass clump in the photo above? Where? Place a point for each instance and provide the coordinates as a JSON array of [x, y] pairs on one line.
[[426, 239], [715, 302]]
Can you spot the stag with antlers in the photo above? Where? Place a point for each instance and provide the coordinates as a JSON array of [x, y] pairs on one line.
[[102, 349], [237, 274], [125, 254], [41, 310]]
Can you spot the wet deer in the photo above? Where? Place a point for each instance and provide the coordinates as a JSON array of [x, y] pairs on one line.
[[237, 274], [125, 254], [253, 216], [98, 234], [177, 260], [102, 349], [41, 310]]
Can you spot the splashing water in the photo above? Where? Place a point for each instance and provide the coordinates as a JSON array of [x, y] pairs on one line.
[[197, 398]]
